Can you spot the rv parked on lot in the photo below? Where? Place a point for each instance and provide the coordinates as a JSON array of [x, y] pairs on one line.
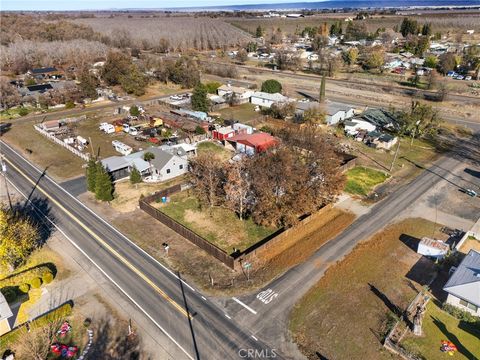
[[121, 147]]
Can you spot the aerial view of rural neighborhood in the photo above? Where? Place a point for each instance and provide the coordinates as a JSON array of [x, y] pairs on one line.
[[240, 179]]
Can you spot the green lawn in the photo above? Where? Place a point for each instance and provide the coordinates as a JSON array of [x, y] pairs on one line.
[[62, 312], [218, 225], [243, 113], [438, 326], [361, 180], [217, 149]]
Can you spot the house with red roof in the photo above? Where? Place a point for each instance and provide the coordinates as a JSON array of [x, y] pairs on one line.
[[251, 144]]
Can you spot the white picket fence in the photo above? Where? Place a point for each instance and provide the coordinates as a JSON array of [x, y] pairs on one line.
[[52, 137]]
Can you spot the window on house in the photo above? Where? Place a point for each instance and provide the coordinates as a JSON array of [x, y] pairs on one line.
[[463, 303], [168, 171], [472, 307], [180, 167]]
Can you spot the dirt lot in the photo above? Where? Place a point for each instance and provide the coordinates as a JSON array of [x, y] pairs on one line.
[[59, 162], [345, 316]]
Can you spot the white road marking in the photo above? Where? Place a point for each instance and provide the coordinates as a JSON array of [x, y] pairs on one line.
[[244, 305], [254, 338], [103, 272], [101, 219], [228, 317], [204, 298], [267, 296]]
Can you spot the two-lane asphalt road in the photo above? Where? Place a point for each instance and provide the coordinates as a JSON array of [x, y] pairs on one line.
[[196, 325], [272, 304]]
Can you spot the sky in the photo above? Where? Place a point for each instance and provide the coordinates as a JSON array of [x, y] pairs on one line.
[[121, 4]]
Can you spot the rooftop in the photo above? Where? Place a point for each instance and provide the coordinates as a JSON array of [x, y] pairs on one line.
[[43, 70], [272, 97], [5, 311], [259, 140], [235, 89], [465, 281]]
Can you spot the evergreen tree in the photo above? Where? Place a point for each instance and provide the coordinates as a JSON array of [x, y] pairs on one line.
[[134, 110], [259, 32], [409, 27], [135, 176], [271, 86], [427, 30], [91, 175], [103, 184], [199, 98], [322, 89]]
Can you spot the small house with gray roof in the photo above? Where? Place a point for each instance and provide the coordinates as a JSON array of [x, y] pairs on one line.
[[164, 166], [6, 316], [463, 287]]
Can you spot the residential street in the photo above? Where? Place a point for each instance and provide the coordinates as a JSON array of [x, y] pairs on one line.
[[157, 292], [268, 308]]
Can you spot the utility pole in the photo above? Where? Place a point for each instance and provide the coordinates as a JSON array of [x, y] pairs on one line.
[[414, 131], [321, 98], [395, 156]]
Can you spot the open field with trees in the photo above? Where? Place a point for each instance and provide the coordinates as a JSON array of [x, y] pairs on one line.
[[172, 33], [348, 313], [441, 21]]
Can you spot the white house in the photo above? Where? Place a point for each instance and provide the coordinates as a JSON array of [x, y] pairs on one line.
[[242, 94], [267, 100], [337, 112], [463, 287], [355, 125], [165, 166]]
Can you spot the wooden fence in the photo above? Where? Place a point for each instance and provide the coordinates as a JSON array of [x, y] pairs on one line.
[[52, 137], [182, 230], [275, 242]]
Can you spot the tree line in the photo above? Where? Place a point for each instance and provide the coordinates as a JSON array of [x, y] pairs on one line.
[[276, 187]]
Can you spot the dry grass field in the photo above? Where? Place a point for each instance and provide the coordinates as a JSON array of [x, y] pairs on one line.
[[183, 33], [346, 315]]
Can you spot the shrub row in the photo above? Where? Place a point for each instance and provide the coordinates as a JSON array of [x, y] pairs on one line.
[[462, 315], [11, 292], [24, 276]]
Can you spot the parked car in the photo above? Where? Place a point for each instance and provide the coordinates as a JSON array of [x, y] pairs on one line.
[[471, 193], [176, 97], [133, 131], [468, 78], [459, 77], [452, 74]]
